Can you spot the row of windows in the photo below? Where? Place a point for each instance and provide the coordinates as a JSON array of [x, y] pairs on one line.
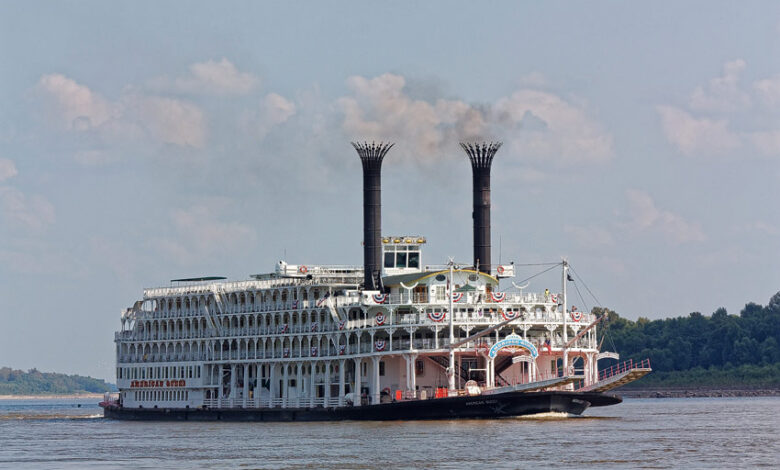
[[161, 395], [171, 372]]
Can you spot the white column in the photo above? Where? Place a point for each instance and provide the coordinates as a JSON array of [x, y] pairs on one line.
[[220, 390], [328, 373], [246, 385], [375, 374], [271, 380], [299, 384], [341, 382], [258, 385], [358, 371], [285, 385], [413, 374], [232, 393], [312, 384]]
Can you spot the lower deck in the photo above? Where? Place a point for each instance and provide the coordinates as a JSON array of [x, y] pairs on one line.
[[507, 404]]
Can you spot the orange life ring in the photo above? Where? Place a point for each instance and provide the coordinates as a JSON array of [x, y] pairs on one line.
[[303, 269], [500, 269]]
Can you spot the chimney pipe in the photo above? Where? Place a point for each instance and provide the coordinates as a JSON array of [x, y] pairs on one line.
[[481, 156], [371, 155]]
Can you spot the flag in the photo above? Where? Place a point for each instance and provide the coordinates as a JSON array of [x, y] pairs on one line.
[[568, 277]]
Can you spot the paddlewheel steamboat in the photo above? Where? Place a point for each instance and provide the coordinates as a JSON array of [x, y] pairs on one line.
[[392, 339]]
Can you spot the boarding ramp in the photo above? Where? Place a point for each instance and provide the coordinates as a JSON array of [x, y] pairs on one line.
[[619, 375], [535, 386]]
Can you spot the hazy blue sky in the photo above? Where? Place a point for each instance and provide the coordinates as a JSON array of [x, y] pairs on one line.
[[145, 141]]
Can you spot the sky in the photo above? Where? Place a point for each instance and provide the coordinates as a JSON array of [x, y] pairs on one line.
[[147, 141]]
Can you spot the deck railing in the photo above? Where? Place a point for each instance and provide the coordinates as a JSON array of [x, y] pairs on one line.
[[623, 367]]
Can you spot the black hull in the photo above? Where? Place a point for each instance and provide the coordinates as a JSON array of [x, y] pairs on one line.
[[487, 406]]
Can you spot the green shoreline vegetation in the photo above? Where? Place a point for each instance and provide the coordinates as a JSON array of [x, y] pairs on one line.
[[699, 351], [34, 382]]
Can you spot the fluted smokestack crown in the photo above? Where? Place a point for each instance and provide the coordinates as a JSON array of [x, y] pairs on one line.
[[481, 156], [371, 155]]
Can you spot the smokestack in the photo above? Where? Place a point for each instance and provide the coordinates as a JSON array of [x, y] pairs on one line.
[[371, 155], [481, 156]]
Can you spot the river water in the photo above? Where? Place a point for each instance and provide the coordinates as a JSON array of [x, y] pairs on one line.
[[706, 433]]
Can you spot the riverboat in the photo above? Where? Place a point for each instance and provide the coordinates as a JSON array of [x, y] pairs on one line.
[[392, 339]]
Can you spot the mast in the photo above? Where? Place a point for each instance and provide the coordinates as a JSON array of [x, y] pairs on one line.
[[451, 369], [564, 276]]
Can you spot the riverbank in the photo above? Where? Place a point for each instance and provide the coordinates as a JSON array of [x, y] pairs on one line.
[[67, 396], [698, 392]]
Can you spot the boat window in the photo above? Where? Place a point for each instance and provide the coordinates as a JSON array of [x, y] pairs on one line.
[[414, 259], [389, 259], [400, 260]]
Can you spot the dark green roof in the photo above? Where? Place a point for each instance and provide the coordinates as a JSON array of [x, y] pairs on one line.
[[195, 279], [466, 288]]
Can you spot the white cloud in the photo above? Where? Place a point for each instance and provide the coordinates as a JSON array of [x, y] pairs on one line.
[[212, 77], [7, 169], [547, 126], [645, 216], [94, 158], [534, 123], [200, 231], [172, 121], [28, 212], [75, 106], [722, 94], [133, 116], [717, 105], [768, 90], [273, 111], [766, 142], [590, 235], [691, 135]]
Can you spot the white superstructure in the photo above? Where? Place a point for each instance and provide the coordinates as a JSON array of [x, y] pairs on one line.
[[307, 335]]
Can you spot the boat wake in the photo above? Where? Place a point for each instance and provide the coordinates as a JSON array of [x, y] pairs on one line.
[[550, 415]]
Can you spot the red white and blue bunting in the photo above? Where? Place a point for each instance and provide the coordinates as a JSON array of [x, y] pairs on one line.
[[498, 296], [576, 315], [314, 351], [342, 324], [283, 328], [509, 314], [380, 298], [457, 296], [286, 352], [315, 326], [437, 315], [380, 344], [342, 348], [380, 318]]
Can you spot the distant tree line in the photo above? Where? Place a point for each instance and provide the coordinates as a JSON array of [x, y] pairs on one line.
[[708, 350], [34, 382]]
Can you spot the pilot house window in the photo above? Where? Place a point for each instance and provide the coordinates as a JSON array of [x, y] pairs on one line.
[[402, 257]]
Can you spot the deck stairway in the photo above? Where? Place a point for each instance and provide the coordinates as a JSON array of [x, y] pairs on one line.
[[460, 372], [619, 375]]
